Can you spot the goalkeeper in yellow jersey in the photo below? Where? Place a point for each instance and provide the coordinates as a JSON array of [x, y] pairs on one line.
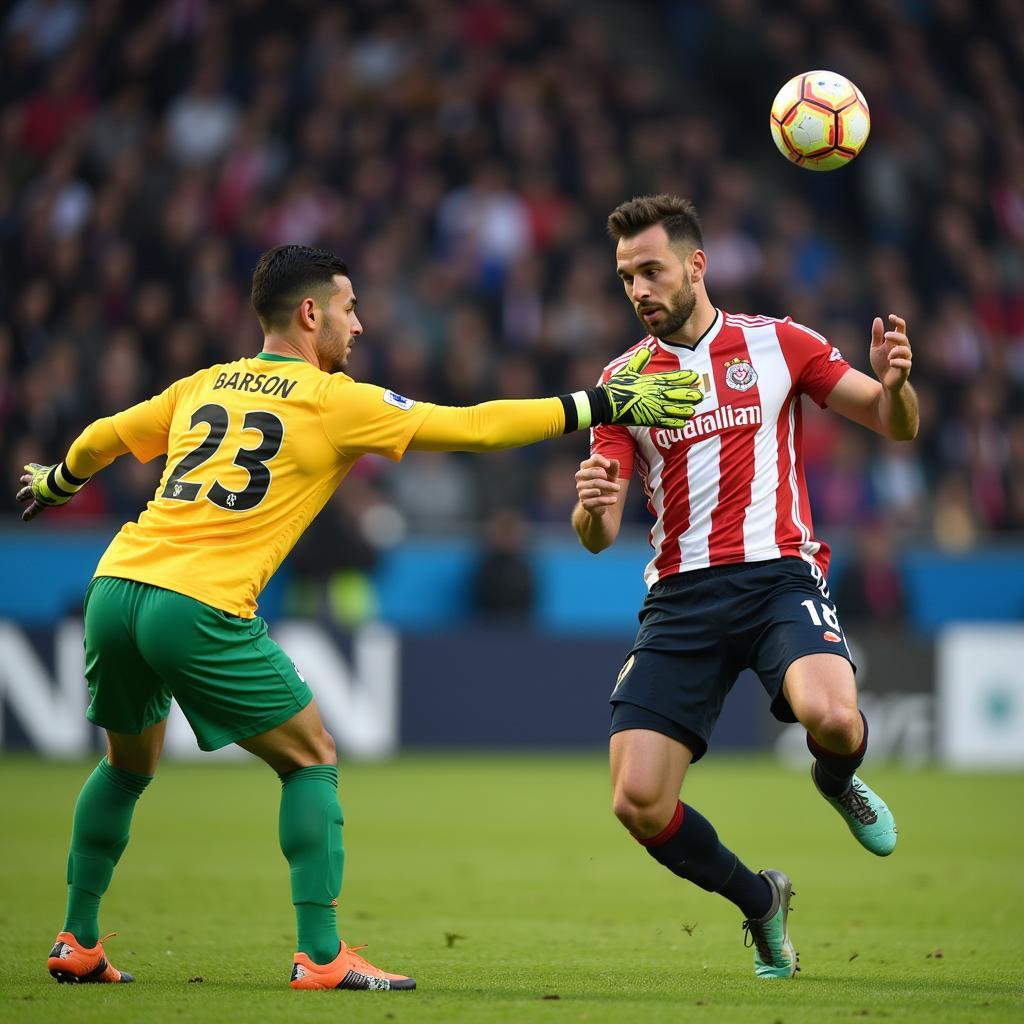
[[253, 450]]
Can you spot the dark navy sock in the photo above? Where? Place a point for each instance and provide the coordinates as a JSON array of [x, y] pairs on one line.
[[689, 847], [833, 771]]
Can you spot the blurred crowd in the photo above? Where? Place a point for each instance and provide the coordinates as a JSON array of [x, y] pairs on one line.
[[463, 158]]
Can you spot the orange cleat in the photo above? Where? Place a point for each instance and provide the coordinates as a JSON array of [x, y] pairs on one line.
[[71, 962], [346, 970]]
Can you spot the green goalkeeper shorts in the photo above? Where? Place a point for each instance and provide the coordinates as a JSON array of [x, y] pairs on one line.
[[145, 645]]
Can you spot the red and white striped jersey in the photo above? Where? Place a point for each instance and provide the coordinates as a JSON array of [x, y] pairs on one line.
[[729, 486]]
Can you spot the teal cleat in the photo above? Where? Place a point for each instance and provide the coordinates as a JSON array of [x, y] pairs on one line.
[[866, 815], [774, 955]]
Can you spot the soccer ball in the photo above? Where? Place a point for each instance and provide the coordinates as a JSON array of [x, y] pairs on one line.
[[820, 120]]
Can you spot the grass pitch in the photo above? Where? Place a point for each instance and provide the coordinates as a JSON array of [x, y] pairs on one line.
[[506, 888]]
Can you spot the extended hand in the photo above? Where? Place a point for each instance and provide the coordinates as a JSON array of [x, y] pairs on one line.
[[652, 399], [45, 486], [890, 352]]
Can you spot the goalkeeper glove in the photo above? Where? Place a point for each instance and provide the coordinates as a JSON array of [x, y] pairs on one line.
[[46, 486], [637, 399]]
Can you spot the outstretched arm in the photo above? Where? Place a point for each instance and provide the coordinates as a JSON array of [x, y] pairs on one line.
[[888, 405], [94, 449], [493, 425], [629, 397]]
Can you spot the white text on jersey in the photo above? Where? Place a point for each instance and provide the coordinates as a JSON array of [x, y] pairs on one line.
[[725, 417]]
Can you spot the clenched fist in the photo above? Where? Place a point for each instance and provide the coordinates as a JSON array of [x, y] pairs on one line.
[[597, 484]]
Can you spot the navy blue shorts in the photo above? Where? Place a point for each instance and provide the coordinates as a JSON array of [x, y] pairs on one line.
[[700, 629]]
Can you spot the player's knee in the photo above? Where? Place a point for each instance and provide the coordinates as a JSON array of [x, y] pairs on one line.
[[317, 748], [306, 749], [640, 810], [139, 763], [839, 728], [132, 755]]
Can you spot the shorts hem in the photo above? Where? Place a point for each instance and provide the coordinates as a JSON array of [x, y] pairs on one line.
[[253, 729], [660, 723], [92, 717]]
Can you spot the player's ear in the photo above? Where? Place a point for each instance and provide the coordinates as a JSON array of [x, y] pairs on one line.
[[698, 265]]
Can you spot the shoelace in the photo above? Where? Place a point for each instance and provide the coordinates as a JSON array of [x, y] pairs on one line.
[[105, 937], [754, 935], [854, 802], [354, 951]]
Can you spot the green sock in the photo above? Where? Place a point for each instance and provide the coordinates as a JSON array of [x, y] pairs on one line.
[[99, 834], [310, 834]]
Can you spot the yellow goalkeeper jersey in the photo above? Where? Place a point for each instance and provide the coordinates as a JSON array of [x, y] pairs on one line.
[[254, 450]]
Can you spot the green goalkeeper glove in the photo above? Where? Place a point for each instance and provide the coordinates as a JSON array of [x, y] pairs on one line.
[[637, 399], [46, 486]]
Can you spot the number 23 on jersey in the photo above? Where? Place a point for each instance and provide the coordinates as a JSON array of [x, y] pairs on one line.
[[185, 483]]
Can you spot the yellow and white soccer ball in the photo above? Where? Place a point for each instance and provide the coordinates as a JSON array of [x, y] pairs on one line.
[[820, 120]]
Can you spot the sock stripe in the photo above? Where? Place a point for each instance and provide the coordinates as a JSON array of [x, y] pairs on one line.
[[668, 831]]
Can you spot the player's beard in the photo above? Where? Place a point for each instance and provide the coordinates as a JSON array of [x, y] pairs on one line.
[[676, 313], [332, 347]]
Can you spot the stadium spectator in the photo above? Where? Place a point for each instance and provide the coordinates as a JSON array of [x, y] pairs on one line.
[[503, 584], [202, 122], [870, 590], [332, 560], [49, 25]]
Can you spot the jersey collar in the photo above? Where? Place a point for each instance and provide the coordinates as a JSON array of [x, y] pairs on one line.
[[709, 335], [275, 358]]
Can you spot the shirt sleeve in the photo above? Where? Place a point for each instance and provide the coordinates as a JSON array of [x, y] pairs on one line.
[[95, 448], [507, 423], [362, 419], [814, 362], [144, 427]]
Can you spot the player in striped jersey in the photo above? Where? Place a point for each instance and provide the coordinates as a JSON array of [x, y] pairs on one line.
[[738, 579], [254, 448]]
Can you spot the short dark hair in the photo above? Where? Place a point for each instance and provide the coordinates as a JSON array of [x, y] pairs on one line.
[[676, 215], [286, 274]]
